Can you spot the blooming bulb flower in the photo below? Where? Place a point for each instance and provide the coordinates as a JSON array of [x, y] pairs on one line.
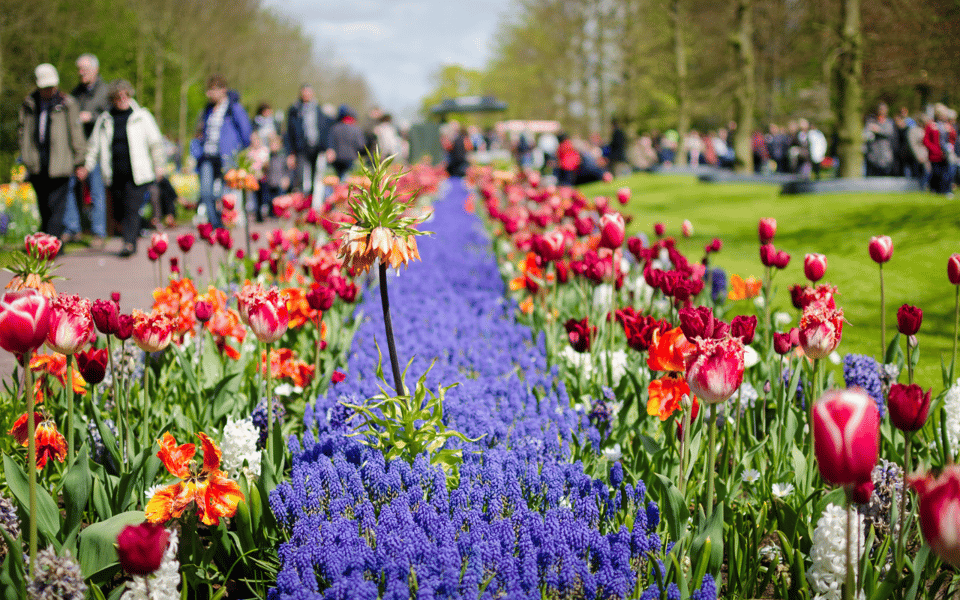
[[71, 323], [152, 332], [106, 315], [881, 248], [767, 230], [612, 230], [42, 245], [686, 228], [50, 443], [909, 319], [623, 195], [846, 436], [580, 333], [141, 547], [814, 266], [820, 330], [714, 370], [659, 229], [162, 584], [909, 406], [828, 570], [268, 316], [186, 242], [939, 511], [92, 364], [159, 243], [953, 269], [24, 320], [125, 325]]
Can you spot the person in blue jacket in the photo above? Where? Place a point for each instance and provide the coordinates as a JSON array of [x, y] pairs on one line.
[[224, 131]]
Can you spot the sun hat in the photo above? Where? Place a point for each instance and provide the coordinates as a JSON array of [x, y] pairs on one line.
[[46, 76]]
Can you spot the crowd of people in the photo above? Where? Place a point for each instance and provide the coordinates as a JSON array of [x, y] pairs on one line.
[[98, 146]]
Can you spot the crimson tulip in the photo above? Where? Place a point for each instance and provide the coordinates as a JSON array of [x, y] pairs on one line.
[[321, 297], [909, 319], [715, 246], [159, 242], [623, 195], [909, 406], [784, 342], [767, 254], [846, 436], [24, 320], [203, 310], [185, 242], [744, 328], [580, 333], [953, 269], [124, 327], [224, 238], [71, 324], [820, 330], [659, 229], [141, 547], [881, 248], [714, 369], [814, 266], [939, 511], [767, 230], [92, 363], [781, 259]]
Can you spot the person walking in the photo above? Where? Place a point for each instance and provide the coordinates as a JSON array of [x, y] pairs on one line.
[[52, 146], [91, 95], [308, 130], [224, 130], [345, 143], [127, 145], [939, 138]]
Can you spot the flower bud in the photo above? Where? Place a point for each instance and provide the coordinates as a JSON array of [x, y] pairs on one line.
[[881, 248], [659, 229], [185, 242], [781, 259], [767, 230], [744, 328], [909, 406], [953, 269], [909, 319], [124, 327], [686, 228], [715, 246], [204, 310], [814, 266], [320, 297], [783, 342], [846, 436], [623, 195], [141, 547], [767, 255]]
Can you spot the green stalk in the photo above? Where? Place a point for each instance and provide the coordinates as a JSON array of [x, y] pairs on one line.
[[684, 445], [908, 438], [767, 287], [388, 325], [69, 387], [883, 319], [31, 459], [116, 400], [125, 450], [316, 354], [850, 584], [711, 460], [269, 404], [956, 331], [909, 362], [145, 416]]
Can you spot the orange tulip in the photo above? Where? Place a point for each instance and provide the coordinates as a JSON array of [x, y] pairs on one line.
[[665, 395], [214, 493], [741, 289], [667, 350], [50, 443]]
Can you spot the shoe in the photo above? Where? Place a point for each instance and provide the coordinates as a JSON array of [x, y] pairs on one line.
[[127, 251], [98, 243]]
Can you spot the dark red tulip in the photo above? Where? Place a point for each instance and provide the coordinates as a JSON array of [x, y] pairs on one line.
[[141, 547], [909, 406], [767, 230], [909, 319], [125, 328], [953, 269], [784, 342], [92, 364], [105, 316], [204, 310], [744, 328], [580, 333], [185, 242]]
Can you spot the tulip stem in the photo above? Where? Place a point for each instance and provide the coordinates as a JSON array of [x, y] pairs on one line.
[[144, 418], [767, 287], [69, 387], [268, 369], [684, 444], [901, 524], [956, 331], [883, 320], [388, 325], [116, 400], [31, 458], [851, 582], [711, 460], [909, 361], [316, 352]]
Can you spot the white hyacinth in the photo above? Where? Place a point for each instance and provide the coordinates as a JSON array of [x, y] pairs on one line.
[[603, 295], [583, 362], [951, 408], [829, 569], [163, 583], [239, 445]]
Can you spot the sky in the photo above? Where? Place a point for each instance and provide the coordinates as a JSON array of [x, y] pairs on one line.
[[398, 44]]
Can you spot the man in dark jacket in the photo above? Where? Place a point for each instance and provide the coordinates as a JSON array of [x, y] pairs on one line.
[[306, 140], [52, 146], [91, 95], [346, 142]]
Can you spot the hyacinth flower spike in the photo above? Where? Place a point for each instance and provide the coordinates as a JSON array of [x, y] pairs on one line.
[[381, 233]]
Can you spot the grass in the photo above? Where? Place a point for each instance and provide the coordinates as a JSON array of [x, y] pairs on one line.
[[924, 229]]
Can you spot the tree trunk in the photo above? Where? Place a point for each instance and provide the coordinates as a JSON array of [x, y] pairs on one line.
[[850, 93], [683, 98], [745, 96], [158, 87], [182, 121]]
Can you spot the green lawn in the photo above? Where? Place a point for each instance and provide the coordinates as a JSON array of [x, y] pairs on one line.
[[925, 229]]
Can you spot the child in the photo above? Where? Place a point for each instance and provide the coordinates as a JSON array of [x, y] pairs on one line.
[[275, 177]]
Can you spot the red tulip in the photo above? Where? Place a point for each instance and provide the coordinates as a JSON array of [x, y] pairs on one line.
[[185, 242], [159, 242], [686, 228], [115, 296], [42, 245], [347, 291], [205, 231], [124, 327], [784, 342], [803, 296], [267, 315], [612, 229], [583, 225], [699, 322], [152, 254], [320, 297], [141, 547], [939, 511], [744, 328], [909, 406], [623, 195], [820, 330], [862, 492], [881, 248], [24, 320], [714, 370], [580, 333], [71, 324], [241, 254], [224, 239], [909, 319], [551, 246], [153, 332], [337, 377], [659, 229], [715, 246], [92, 364], [846, 436], [953, 269], [602, 203], [814, 266], [767, 254], [203, 310], [781, 259], [767, 230]]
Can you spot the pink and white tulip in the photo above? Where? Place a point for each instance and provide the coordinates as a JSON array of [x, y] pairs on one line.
[[714, 369], [881, 248], [939, 511], [153, 332], [820, 329], [267, 315], [71, 324], [612, 230], [24, 320], [846, 436], [814, 266]]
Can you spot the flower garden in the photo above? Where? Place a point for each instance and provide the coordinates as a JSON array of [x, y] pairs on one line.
[[523, 402]]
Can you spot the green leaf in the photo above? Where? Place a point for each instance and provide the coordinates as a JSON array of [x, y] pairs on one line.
[[919, 563], [708, 544], [674, 507], [894, 353], [48, 515], [13, 585], [77, 487], [97, 542], [225, 396], [186, 369]]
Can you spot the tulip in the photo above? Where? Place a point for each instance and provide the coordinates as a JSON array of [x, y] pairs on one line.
[[612, 230], [715, 246], [939, 512], [152, 254], [241, 254], [42, 245], [186, 242], [814, 266], [862, 492], [321, 297], [699, 322], [714, 370], [24, 320], [953, 274], [846, 436], [141, 547], [93, 364], [909, 406], [601, 203], [71, 324], [767, 230], [267, 315], [623, 195], [583, 225], [909, 319], [953, 269], [881, 248], [580, 333], [659, 229], [153, 332], [205, 231], [224, 239], [785, 342], [115, 296], [203, 310], [781, 259], [159, 242], [125, 327], [767, 255], [820, 330], [686, 228], [551, 246], [744, 328]]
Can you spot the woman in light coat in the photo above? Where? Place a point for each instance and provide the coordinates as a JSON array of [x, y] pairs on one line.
[[127, 144]]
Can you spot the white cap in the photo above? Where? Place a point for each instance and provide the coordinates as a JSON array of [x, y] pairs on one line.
[[46, 76]]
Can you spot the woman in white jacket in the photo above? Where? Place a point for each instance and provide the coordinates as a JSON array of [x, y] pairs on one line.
[[127, 144]]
